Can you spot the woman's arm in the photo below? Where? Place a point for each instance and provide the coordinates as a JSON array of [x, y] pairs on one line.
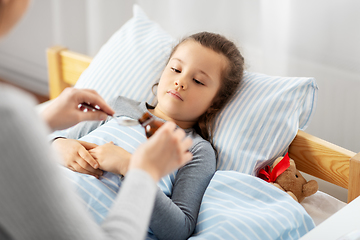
[[82, 128], [176, 218], [37, 202], [64, 112]]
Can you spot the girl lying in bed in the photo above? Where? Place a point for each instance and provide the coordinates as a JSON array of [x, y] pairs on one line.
[[201, 75]]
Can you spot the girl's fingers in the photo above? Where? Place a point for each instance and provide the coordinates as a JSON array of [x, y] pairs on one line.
[[77, 168], [87, 159], [88, 145], [86, 168], [85, 165]]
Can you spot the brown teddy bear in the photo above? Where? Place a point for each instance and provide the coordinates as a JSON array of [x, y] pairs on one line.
[[284, 175]]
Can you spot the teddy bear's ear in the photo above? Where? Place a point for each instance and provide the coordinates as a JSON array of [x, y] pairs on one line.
[[276, 162], [310, 188], [292, 163]]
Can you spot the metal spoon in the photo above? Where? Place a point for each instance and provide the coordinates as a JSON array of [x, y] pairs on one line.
[[122, 121]]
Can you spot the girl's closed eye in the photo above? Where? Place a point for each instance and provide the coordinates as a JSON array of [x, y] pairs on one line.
[[175, 70], [198, 82]]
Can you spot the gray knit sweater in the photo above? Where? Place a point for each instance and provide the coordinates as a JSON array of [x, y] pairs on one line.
[[36, 201]]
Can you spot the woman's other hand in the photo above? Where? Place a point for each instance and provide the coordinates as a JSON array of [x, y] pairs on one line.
[[164, 152]]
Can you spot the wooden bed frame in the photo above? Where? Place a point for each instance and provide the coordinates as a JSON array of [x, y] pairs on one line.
[[312, 155]]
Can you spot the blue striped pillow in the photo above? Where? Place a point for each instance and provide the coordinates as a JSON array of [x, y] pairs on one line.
[[257, 125], [131, 61], [262, 119]]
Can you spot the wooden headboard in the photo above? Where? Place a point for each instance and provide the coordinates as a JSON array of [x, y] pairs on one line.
[[312, 155], [65, 68]]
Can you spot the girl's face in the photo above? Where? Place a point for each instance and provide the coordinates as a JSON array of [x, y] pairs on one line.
[[189, 83]]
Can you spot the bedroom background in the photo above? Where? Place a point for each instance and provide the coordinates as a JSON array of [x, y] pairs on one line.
[[279, 37]]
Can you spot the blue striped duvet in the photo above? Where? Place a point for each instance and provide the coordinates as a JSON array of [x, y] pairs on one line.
[[240, 206], [235, 205]]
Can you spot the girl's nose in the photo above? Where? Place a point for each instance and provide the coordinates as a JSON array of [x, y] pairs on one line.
[[181, 83]]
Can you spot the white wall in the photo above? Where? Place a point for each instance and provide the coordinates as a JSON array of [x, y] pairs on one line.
[[80, 25], [22, 56], [318, 38]]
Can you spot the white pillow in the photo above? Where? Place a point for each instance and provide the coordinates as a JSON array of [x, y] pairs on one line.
[[257, 125]]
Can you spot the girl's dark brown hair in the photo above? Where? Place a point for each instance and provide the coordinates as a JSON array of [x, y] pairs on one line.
[[231, 77]]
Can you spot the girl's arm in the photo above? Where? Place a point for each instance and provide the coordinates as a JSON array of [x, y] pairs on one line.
[[176, 218]]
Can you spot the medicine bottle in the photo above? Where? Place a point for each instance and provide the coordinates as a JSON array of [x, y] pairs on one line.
[[150, 124]]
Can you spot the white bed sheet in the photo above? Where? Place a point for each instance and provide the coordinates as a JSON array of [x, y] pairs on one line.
[[321, 205]]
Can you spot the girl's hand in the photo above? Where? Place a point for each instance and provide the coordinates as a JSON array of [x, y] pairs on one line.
[[164, 152], [76, 157], [111, 158]]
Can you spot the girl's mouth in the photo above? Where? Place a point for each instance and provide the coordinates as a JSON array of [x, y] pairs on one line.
[[175, 94]]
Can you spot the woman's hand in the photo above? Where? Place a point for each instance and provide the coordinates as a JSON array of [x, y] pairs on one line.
[[164, 152], [111, 158], [75, 156], [64, 112]]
